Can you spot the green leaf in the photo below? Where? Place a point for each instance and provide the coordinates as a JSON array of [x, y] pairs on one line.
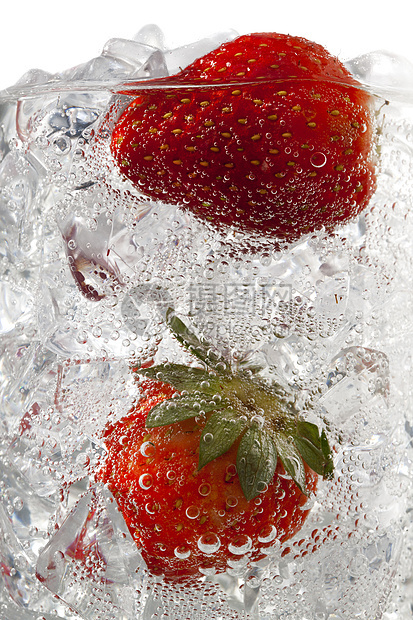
[[201, 350], [220, 432], [313, 457], [309, 431], [177, 409], [291, 460], [256, 461], [183, 378], [314, 448]]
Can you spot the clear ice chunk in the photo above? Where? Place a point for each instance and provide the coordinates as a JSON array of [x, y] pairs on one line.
[[35, 77], [120, 59], [15, 566], [17, 306], [46, 454], [145, 61], [24, 524], [10, 611], [89, 257], [357, 375], [53, 124], [91, 561], [390, 73], [19, 218], [151, 35]]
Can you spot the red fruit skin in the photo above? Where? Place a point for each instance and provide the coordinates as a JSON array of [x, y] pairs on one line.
[[269, 134], [171, 508]]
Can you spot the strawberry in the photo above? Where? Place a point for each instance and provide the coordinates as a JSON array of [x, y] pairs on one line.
[[268, 133], [211, 467]]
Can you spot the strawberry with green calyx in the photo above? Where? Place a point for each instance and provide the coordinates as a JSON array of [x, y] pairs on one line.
[[239, 404], [211, 466], [269, 134]]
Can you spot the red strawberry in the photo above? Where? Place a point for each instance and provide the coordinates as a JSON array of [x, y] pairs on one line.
[[211, 467], [268, 133]]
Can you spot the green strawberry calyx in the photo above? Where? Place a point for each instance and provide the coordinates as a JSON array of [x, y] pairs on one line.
[[239, 406]]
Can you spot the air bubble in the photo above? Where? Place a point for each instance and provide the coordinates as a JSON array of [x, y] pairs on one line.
[[62, 145], [231, 470], [265, 260], [318, 159], [262, 487], [145, 481], [231, 501], [82, 459], [20, 562], [97, 331], [241, 546], [192, 512], [267, 534], [148, 449], [58, 557], [42, 142], [204, 489], [182, 553], [18, 503], [358, 565], [209, 543]]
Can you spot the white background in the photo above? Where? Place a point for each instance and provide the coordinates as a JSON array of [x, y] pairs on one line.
[[57, 34]]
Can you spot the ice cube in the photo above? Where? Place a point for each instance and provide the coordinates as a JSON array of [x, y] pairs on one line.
[[19, 219], [87, 249], [10, 611], [99, 69], [47, 454], [15, 567], [120, 59], [35, 77], [56, 129], [357, 375], [144, 60], [91, 560], [17, 306], [91, 394], [24, 525], [384, 69], [151, 35], [28, 513]]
